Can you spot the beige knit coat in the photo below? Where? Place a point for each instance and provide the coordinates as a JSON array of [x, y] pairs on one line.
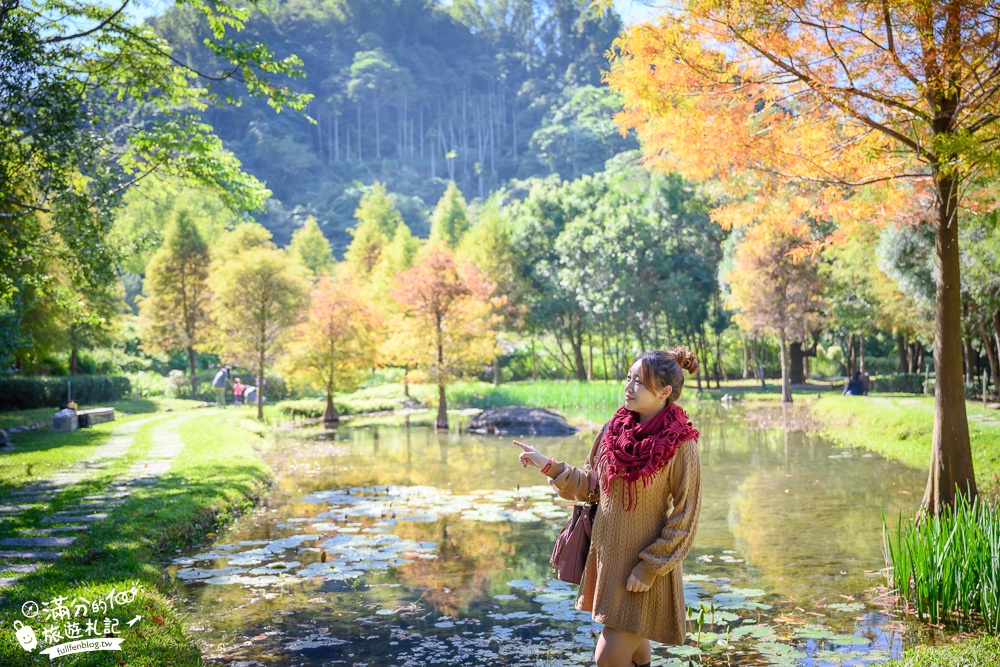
[[649, 541]]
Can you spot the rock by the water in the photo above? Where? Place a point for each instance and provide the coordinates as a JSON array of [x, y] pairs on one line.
[[520, 420]]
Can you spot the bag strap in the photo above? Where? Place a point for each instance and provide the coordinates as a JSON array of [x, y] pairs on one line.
[[593, 480]]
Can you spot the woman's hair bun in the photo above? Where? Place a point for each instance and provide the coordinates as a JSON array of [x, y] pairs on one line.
[[686, 358]]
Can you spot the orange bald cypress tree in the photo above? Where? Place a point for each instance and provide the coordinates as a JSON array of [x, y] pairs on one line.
[[449, 318], [879, 109]]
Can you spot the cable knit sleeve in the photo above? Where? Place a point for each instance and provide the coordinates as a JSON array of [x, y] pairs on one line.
[[678, 533], [573, 483]]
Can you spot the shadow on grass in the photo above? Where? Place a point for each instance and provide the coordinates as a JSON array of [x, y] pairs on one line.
[[39, 442]]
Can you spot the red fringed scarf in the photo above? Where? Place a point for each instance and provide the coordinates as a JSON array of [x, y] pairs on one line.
[[632, 450]]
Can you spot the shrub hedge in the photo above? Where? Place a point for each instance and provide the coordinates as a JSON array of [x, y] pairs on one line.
[[26, 393]]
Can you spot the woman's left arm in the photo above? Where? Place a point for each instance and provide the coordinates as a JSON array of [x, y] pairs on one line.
[[678, 533]]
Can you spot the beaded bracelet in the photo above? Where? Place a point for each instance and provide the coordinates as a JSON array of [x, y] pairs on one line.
[[548, 465]]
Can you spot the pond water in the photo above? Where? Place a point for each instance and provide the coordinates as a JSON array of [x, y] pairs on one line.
[[402, 546]]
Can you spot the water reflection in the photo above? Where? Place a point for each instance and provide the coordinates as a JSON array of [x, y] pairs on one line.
[[394, 545]]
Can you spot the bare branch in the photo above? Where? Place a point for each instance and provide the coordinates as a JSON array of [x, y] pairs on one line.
[[99, 26]]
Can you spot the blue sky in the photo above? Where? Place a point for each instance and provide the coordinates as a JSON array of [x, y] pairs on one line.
[[634, 12]]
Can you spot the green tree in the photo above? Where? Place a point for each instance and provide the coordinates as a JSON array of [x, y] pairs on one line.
[[397, 256], [451, 217], [311, 248], [149, 206], [91, 102], [174, 314], [241, 238], [255, 302], [578, 135], [377, 218], [374, 74]]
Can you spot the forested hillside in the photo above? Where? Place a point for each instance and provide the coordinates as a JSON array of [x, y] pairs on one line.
[[415, 93]]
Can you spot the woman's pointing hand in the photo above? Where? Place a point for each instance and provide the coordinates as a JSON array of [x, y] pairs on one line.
[[531, 455]]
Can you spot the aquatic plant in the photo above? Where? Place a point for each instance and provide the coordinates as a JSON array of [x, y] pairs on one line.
[[948, 565]]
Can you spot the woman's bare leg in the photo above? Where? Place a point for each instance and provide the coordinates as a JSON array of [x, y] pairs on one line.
[[616, 648], [643, 654]]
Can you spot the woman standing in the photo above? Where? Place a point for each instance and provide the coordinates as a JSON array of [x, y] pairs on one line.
[[632, 582]]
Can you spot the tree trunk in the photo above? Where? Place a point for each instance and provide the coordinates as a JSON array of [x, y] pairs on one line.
[[576, 341], [862, 365], [496, 372], [330, 416], [902, 366], [534, 368], [996, 338], [758, 363], [951, 452], [718, 357], [194, 375], [442, 416], [797, 371], [406, 381], [74, 356], [969, 355], [604, 354], [990, 354], [260, 388], [852, 355], [786, 387], [590, 357], [746, 359], [698, 353]]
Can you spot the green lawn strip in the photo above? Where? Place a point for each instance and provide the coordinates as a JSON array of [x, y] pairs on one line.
[[37, 455], [983, 651], [217, 477], [123, 407], [98, 481], [899, 427]]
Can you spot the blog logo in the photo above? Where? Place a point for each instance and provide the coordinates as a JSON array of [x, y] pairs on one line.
[[78, 625]]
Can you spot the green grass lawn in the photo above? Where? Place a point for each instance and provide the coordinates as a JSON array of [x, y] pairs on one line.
[[218, 476], [981, 651], [899, 427]]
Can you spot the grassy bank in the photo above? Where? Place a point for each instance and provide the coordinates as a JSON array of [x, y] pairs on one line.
[[900, 427], [975, 652], [218, 476]]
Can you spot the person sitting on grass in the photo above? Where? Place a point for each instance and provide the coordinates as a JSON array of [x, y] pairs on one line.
[[855, 386]]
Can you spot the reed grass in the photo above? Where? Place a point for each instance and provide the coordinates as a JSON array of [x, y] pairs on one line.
[[948, 566]]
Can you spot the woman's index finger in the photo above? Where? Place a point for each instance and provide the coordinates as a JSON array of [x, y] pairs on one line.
[[522, 445]]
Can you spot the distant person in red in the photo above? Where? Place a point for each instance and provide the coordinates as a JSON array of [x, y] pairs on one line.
[[238, 388]]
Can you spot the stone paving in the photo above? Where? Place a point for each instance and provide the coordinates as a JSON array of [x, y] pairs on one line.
[[38, 547]]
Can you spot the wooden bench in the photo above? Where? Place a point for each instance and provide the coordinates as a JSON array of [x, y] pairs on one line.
[[99, 415]]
